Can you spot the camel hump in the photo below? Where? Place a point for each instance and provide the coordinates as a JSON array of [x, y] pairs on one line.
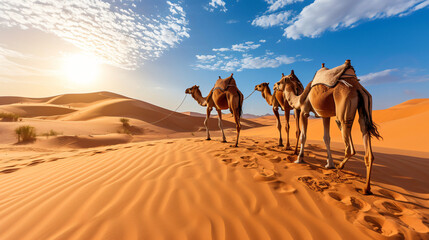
[[225, 83]]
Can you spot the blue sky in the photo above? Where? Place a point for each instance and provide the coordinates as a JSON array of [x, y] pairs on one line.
[[153, 50]]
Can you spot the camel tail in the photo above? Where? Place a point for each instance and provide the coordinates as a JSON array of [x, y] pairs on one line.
[[365, 106], [240, 104]]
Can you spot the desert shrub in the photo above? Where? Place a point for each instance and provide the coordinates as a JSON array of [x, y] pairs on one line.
[[125, 122], [11, 117], [51, 133], [25, 133]]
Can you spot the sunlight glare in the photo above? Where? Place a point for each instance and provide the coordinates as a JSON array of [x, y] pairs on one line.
[[81, 69]]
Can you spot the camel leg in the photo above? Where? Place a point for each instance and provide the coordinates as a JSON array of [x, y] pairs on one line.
[[237, 125], [369, 157], [279, 126], [209, 110], [298, 132], [287, 127], [346, 131], [304, 122], [327, 139], [219, 113]]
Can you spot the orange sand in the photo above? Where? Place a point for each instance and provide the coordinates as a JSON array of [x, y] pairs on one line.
[[166, 182]]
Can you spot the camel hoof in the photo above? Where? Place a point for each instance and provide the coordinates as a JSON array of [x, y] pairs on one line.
[[327, 166], [299, 161], [281, 145], [288, 148], [208, 139], [367, 192], [223, 141], [341, 166], [295, 153], [233, 145]]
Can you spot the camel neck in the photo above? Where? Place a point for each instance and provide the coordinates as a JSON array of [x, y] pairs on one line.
[[292, 99], [266, 94], [199, 98]]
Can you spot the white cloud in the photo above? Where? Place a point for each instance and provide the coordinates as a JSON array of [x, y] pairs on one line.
[[394, 75], [214, 4], [220, 49], [273, 19], [205, 58], [245, 61], [381, 76], [242, 47], [115, 33], [237, 58], [332, 15], [15, 64], [275, 5]]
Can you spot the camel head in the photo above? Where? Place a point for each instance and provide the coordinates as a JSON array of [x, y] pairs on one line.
[[261, 87], [192, 89], [287, 82]]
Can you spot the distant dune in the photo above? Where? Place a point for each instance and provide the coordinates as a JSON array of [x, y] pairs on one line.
[[164, 181]]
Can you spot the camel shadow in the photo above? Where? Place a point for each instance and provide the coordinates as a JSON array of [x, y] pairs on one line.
[[385, 168]]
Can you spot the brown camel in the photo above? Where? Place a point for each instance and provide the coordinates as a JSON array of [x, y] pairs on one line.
[[341, 100], [224, 95], [277, 100]]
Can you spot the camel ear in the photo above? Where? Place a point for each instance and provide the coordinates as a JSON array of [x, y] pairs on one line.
[[323, 65], [268, 83], [198, 86], [232, 74], [283, 74], [292, 72], [220, 77]]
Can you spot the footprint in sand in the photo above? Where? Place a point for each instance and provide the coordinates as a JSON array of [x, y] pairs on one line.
[[261, 153], [389, 208], [227, 160], [9, 170], [379, 224], [275, 159], [265, 175], [314, 184], [150, 145], [169, 142], [282, 187], [251, 165], [392, 195], [246, 158], [250, 149], [350, 202]]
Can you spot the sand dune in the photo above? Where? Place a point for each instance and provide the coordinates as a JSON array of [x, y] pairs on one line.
[[166, 182], [176, 189]]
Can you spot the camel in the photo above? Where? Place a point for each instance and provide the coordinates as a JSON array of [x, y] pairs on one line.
[[341, 100], [277, 100], [224, 95]]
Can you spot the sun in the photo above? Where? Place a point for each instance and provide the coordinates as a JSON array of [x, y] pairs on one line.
[[81, 69]]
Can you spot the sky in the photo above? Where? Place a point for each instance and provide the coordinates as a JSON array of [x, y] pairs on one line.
[[152, 50]]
